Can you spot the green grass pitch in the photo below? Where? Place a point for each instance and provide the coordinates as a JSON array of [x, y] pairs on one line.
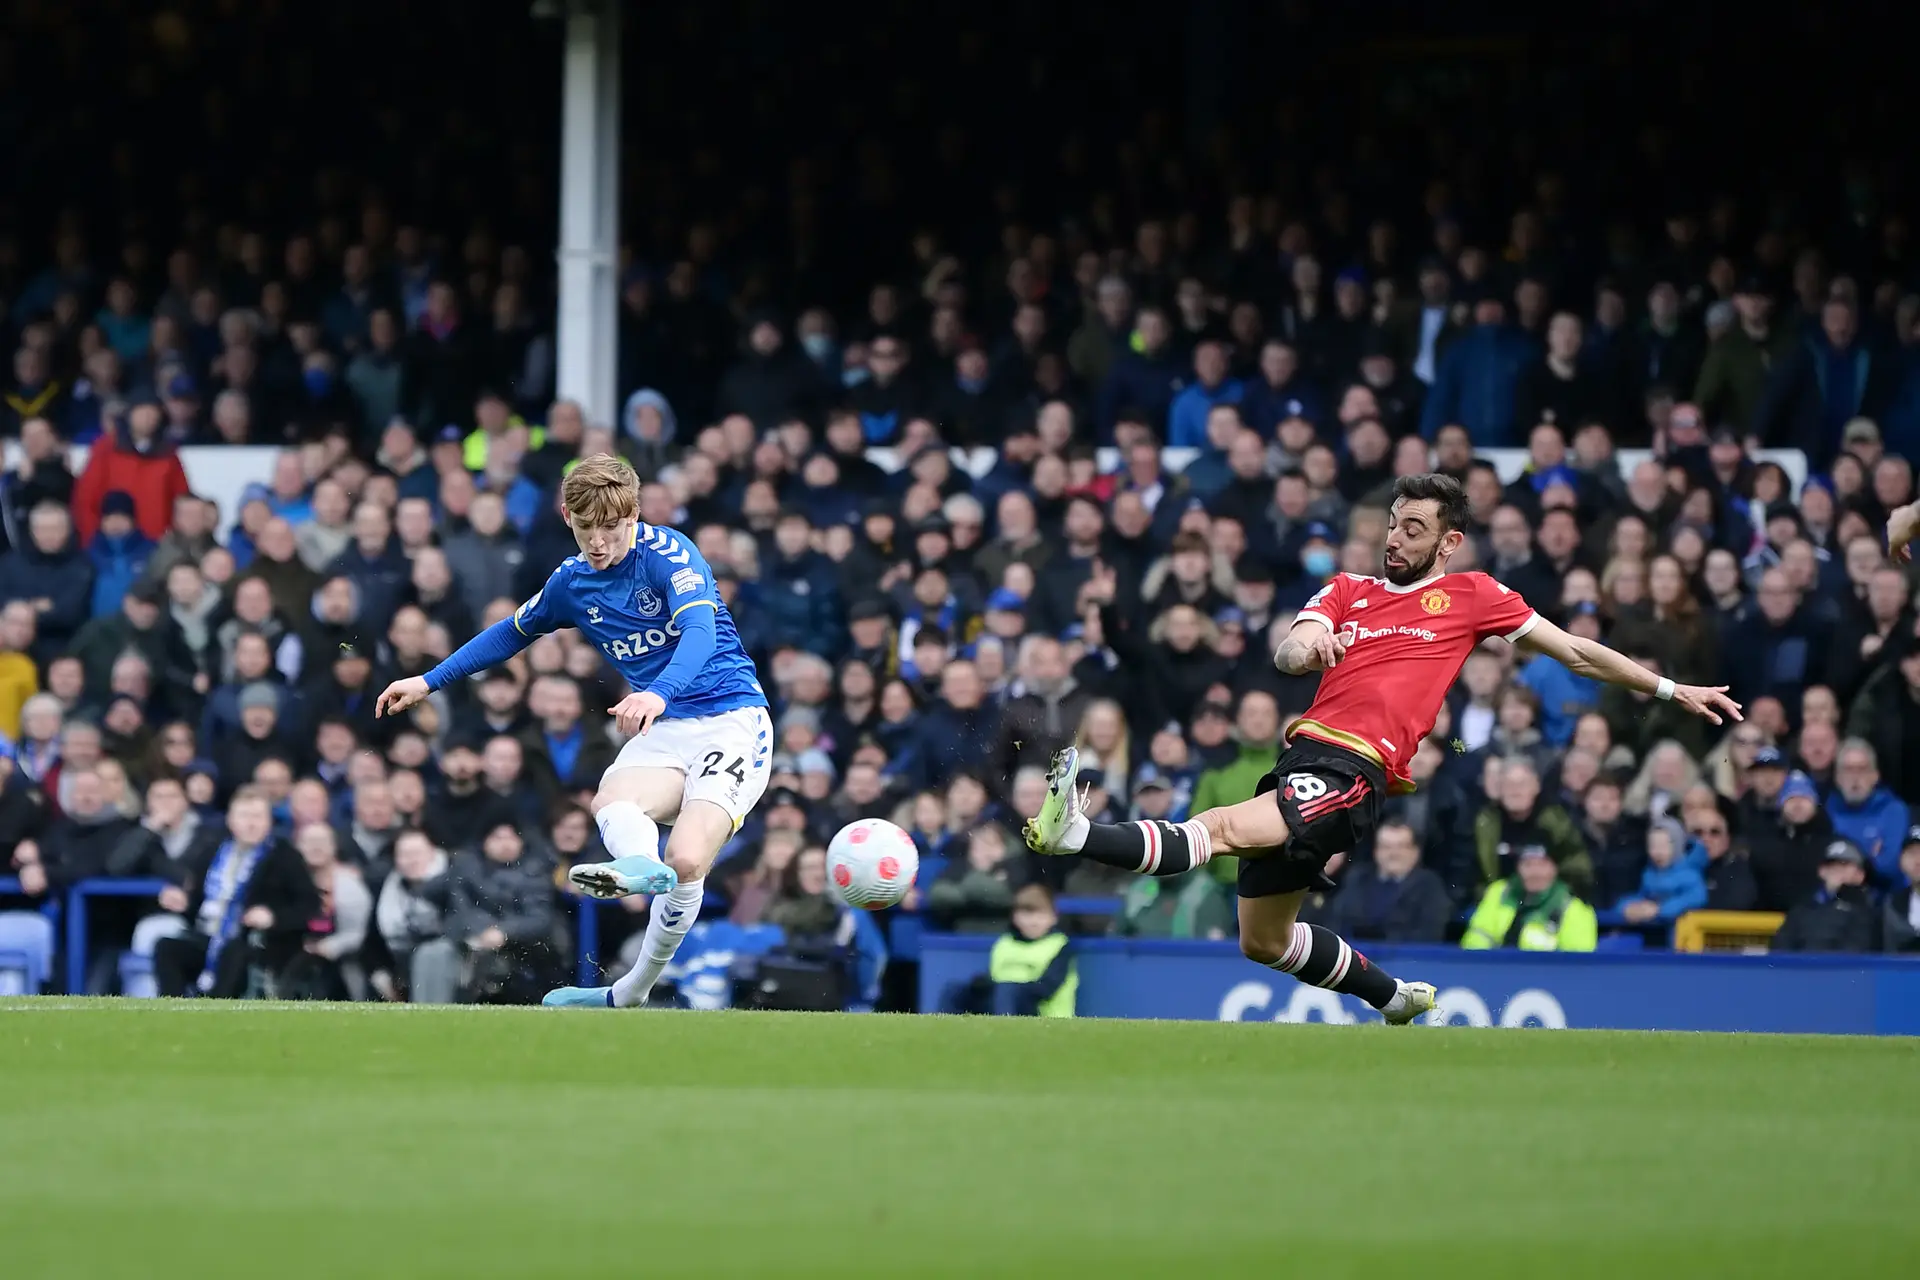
[[167, 1139]]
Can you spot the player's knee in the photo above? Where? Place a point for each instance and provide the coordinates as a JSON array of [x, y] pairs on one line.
[[1264, 950], [687, 864]]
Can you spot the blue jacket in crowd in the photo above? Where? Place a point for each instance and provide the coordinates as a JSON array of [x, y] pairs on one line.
[[1677, 889], [1476, 382], [64, 580], [800, 603], [1564, 697], [1877, 824], [1265, 406], [382, 579], [956, 740], [1146, 383], [1187, 420], [117, 566]]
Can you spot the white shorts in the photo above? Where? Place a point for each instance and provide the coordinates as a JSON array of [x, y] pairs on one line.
[[727, 758]]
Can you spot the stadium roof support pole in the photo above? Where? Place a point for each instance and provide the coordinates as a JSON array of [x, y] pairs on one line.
[[590, 209]]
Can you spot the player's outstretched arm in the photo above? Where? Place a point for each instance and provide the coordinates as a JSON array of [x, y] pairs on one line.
[[1592, 659], [1310, 645], [1903, 526], [488, 649]]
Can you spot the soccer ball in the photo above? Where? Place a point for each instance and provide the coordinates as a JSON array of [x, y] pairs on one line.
[[871, 863]]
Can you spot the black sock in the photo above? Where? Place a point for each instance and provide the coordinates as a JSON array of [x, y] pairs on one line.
[[1150, 848], [1321, 958]]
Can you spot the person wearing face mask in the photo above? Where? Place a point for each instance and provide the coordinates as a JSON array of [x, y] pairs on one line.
[[1319, 558], [815, 331], [323, 398]]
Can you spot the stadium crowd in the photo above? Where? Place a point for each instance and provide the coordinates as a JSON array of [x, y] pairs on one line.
[[1065, 481]]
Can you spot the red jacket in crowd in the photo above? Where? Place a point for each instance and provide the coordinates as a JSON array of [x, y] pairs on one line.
[[153, 475]]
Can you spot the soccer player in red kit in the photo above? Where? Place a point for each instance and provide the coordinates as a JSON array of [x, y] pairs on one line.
[[1390, 648]]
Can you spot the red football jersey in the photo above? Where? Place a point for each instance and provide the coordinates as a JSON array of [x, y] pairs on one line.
[[1405, 648]]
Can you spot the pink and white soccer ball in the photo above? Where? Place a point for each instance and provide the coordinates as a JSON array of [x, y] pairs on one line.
[[871, 863]]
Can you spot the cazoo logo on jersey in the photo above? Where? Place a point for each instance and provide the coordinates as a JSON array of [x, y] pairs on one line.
[[1353, 632], [642, 642], [1455, 1006]]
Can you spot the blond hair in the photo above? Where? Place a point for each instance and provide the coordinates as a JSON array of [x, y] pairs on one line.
[[600, 490]]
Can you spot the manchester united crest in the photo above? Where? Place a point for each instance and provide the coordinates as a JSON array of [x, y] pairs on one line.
[[1436, 601]]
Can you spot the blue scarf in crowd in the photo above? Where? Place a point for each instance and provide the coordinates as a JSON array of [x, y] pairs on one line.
[[232, 870]]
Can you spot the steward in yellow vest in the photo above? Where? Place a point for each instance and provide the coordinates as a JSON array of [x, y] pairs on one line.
[[1031, 966], [1532, 910]]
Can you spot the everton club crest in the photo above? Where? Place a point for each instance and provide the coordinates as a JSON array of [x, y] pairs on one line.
[[648, 602]]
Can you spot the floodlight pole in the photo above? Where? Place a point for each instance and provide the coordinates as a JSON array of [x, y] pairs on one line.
[[590, 210]]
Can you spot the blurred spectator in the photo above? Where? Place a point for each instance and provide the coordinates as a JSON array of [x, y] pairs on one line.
[[119, 553], [1734, 373], [1257, 733], [1520, 823], [328, 967], [410, 915], [1615, 839], [1476, 383], [1532, 910], [501, 916], [19, 676], [139, 462], [1839, 916], [1887, 714], [1031, 966], [1864, 811], [565, 755], [814, 921], [1788, 850], [1393, 898], [248, 907], [1044, 710], [1672, 884], [1833, 375], [38, 475], [1728, 871], [50, 572], [1900, 927], [975, 892]]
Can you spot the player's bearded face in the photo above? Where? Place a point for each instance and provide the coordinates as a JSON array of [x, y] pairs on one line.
[[1414, 547]]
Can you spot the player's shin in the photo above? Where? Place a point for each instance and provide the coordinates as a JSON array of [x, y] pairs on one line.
[[1151, 848], [1321, 958], [668, 920]]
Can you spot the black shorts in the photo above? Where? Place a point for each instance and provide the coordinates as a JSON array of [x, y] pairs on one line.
[[1331, 800]]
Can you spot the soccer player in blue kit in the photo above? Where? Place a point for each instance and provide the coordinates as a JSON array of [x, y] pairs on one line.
[[701, 740]]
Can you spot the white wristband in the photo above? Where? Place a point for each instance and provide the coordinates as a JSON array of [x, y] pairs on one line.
[[1664, 690]]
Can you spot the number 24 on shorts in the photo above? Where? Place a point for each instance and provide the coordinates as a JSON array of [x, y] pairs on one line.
[[736, 768]]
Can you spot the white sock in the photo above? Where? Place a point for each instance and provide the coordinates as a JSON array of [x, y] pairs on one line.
[[1074, 838], [628, 831], [669, 919]]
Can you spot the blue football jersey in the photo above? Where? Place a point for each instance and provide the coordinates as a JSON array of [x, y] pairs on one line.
[[631, 611]]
